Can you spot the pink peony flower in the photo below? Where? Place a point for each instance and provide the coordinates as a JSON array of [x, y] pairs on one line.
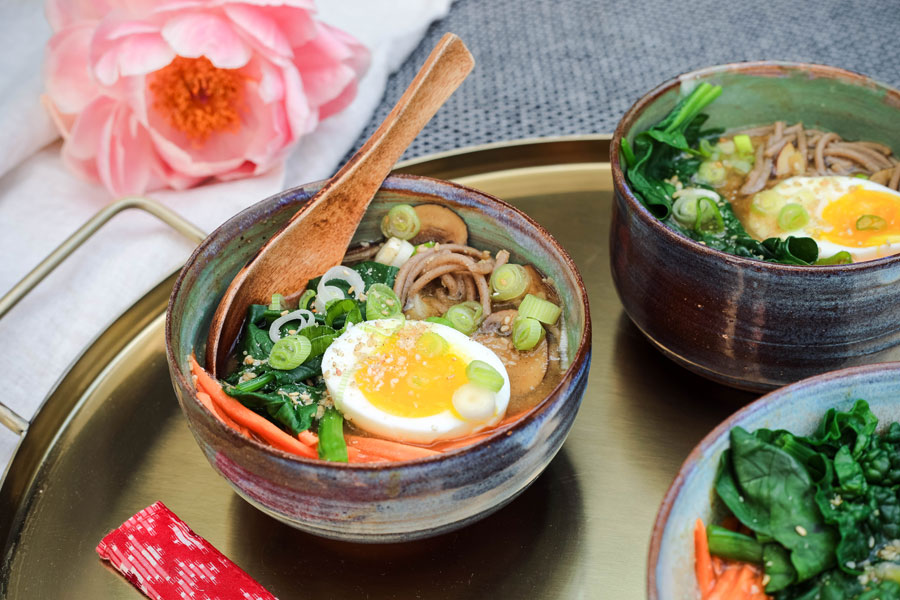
[[168, 93]]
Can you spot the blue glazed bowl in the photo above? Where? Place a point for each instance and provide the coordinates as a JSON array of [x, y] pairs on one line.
[[797, 408], [382, 502]]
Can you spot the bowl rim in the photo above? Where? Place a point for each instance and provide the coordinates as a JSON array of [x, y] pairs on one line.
[[693, 459], [760, 68], [582, 353]]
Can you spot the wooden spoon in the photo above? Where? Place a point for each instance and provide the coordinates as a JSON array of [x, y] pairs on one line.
[[317, 236]]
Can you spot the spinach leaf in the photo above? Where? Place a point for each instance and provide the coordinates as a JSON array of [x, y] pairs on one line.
[[311, 369], [257, 342], [777, 563], [291, 405], [773, 482]]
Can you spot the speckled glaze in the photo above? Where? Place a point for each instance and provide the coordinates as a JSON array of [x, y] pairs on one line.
[[797, 408], [742, 322], [386, 502]]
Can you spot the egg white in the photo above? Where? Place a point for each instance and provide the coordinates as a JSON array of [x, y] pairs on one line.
[[344, 357]]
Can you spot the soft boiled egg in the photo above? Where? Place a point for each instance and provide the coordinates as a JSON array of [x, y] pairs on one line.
[[840, 213], [407, 381]]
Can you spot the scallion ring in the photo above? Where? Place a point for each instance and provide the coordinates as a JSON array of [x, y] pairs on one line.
[[401, 222], [382, 303], [440, 320], [792, 216], [709, 218], [870, 223], [277, 303], [463, 318], [305, 299], [508, 282], [431, 345], [527, 333], [289, 352], [536, 308], [484, 375]]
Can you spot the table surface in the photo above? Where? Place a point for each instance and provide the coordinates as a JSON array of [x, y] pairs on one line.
[[560, 67]]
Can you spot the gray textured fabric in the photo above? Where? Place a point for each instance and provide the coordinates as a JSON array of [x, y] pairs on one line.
[[558, 67]]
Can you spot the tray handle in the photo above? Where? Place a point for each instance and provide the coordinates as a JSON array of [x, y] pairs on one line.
[[8, 417]]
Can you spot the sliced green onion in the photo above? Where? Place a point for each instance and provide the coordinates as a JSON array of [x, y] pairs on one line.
[[277, 303], [860, 175], [766, 202], [440, 320], [431, 345], [474, 403], [743, 144], [841, 258], [422, 247], [331, 437], [347, 307], [305, 299], [712, 172], [484, 375], [464, 318], [792, 216], [870, 223], [320, 337], [289, 352], [382, 303], [401, 222], [508, 282], [527, 333], [251, 385], [709, 219], [542, 310], [706, 149]]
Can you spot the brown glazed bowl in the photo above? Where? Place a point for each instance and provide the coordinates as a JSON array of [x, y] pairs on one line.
[[386, 502], [743, 322]]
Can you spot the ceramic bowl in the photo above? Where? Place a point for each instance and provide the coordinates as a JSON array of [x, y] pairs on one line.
[[797, 408], [742, 322], [385, 502]]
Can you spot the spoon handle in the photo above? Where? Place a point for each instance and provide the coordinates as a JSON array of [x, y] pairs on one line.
[[323, 228], [446, 68]]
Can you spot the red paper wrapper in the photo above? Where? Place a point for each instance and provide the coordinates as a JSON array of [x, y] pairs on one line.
[[161, 556]]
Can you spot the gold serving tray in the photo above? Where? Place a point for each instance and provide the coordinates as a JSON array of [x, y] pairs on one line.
[[111, 440]]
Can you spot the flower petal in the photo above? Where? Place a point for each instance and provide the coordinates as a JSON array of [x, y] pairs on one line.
[[261, 27], [67, 75], [64, 13], [126, 48], [199, 34], [329, 63], [126, 157]]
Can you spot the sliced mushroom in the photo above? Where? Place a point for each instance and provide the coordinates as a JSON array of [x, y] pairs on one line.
[[439, 224], [526, 369]]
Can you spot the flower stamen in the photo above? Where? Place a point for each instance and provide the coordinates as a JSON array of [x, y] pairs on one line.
[[198, 98]]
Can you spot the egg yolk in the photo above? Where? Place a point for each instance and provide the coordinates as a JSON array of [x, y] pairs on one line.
[[863, 218], [402, 382]]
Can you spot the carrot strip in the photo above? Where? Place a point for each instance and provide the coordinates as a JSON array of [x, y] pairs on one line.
[[387, 449], [355, 456], [702, 560], [247, 418], [725, 585], [473, 439], [208, 403], [308, 438], [718, 566], [744, 580]]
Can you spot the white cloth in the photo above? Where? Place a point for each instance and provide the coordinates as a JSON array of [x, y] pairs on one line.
[[41, 203]]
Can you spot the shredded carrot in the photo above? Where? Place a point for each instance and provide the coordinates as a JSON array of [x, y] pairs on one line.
[[354, 455], [718, 565], [208, 403], [245, 417], [387, 449], [473, 439], [702, 560], [308, 438], [746, 574], [725, 584]]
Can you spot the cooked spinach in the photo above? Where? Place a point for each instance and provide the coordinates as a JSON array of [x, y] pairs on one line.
[[291, 398], [673, 147], [825, 508]]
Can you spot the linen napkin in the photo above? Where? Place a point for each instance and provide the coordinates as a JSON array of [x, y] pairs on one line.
[[41, 203]]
